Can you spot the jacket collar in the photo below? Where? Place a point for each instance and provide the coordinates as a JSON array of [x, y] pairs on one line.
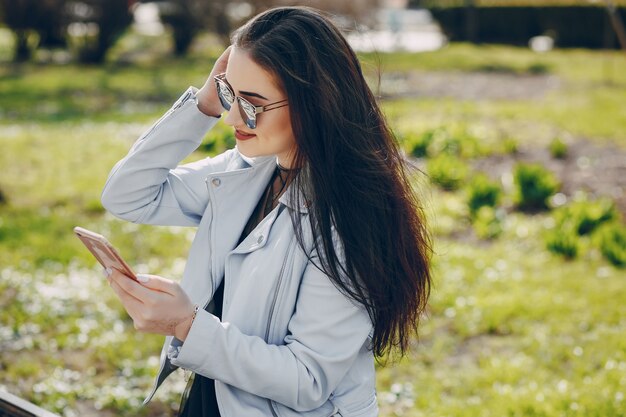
[[264, 165]]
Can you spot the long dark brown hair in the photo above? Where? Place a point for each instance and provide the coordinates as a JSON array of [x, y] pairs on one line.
[[358, 177]]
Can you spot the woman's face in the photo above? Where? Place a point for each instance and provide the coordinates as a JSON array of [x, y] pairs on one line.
[[273, 134]]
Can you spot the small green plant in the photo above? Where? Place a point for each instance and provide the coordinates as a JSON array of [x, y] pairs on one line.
[[458, 142], [220, 138], [417, 144], [534, 186], [585, 216], [613, 243], [482, 192], [447, 171], [564, 242], [487, 223], [558, 148], [510, 145], [538, 68], [497, 68]]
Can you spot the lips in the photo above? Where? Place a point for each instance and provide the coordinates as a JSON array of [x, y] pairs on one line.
[[243, 136]]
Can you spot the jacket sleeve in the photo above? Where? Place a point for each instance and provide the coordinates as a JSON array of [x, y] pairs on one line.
[[148, 186], [326, 333]]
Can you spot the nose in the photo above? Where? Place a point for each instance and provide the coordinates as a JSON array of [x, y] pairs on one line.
[[233, 117]]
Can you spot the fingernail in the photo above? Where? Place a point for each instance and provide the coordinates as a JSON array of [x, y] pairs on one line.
[[107, 272], [142, 278]]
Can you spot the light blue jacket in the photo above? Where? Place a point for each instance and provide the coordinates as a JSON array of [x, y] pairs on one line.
[[289, 343]]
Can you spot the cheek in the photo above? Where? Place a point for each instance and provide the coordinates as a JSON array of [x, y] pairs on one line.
[[281, 131]]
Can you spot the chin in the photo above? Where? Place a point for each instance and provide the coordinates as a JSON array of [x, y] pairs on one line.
[[248, 151], [245, 150]]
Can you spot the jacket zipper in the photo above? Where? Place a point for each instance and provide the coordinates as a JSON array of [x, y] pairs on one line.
[[206, 182], [271, 314], [280, 278]]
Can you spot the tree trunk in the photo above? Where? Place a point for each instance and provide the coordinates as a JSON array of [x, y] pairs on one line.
[[22, 51]]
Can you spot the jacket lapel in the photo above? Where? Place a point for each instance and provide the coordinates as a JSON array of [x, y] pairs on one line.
[[234, 194]]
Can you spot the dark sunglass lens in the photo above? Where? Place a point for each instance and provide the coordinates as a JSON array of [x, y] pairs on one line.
[[225, 95], [248, 113], [251, 123]]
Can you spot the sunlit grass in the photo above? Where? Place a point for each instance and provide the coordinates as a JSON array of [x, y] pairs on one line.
[[596, 112], [516, 331], [573, 64]]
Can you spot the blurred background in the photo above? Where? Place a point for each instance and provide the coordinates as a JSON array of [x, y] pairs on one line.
[[514, 110]]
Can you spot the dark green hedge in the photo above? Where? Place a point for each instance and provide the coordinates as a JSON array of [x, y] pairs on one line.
[[572, 26]]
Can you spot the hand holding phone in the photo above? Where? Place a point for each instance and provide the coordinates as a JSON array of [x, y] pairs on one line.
[[104, 252]]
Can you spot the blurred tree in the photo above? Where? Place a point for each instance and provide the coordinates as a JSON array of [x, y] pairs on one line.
[[49, 20], [108, 18], [26, 18], [188, 17], [95, 25]]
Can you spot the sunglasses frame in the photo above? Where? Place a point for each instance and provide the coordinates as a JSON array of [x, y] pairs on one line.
[[249, 119]]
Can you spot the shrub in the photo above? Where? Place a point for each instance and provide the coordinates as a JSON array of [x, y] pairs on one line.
[[416, 144], [445, 142], [447, 171], [535, 185], [482, 192], [218, 140], [564, 242], [94, 206], [486, 222], [509, 145], [558, 148], [586, 216], [613, 243], [538, 68], [581, 218], [457, 142]]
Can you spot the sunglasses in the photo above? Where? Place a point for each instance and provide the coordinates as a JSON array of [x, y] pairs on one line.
[[247, 110]]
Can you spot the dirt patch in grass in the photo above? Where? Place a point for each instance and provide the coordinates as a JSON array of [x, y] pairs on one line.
[[478, 86], [596, 169]]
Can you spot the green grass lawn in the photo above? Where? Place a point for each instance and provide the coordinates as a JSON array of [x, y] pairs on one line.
[[512, 330]]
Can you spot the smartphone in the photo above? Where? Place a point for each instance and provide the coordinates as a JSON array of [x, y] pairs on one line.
[[104, 252]]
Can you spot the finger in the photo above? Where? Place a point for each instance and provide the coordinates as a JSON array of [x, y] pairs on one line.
[[132, 306], [130, 303], [223, 58], [155, 282], [222, 62], [131, 287]]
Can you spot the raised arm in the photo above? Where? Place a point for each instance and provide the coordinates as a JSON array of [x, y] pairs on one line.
[[148, 186]]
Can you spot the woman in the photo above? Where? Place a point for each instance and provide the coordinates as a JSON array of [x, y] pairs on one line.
[[311, 255]]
